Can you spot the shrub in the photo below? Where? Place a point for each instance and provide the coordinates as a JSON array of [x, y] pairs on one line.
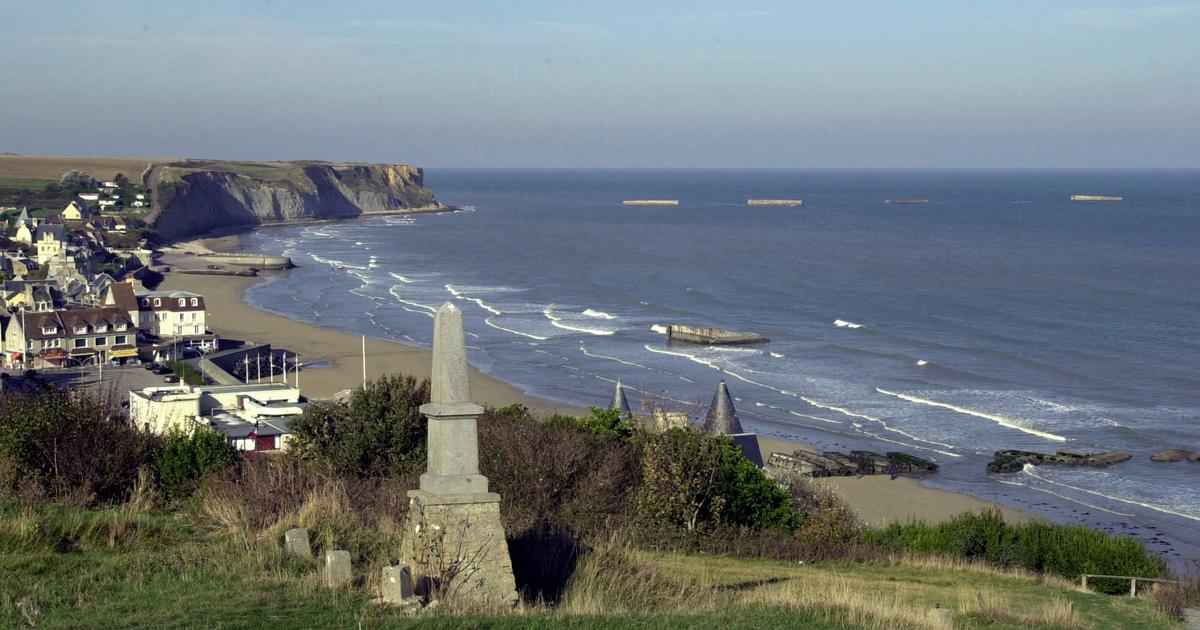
[[695, 482], [1061, 550], [69, 447], [826, 527], [378, 432], [605, 422], [187, 457]]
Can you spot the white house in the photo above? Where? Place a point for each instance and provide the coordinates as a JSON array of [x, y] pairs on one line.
[[253, 417], [89, 196], [171, 313]]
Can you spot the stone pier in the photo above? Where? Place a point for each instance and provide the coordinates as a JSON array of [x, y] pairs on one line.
[[454, 539]]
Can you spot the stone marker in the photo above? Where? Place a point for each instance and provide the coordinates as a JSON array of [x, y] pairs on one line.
[[296, 542], [337, 568], [454, 539], [396, 587], [1191, 618]]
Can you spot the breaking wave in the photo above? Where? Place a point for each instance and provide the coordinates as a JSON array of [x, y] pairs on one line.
[[598, 314], [1000, 420], [841, 323]]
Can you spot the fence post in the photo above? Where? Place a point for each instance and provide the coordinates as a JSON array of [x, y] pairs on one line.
[[1083, 581], [1133, 587]]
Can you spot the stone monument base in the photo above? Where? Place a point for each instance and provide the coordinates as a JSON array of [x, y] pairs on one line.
[[456, 547]]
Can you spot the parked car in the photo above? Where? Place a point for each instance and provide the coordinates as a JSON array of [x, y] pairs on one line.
[[170, 378], [162, 369], [150, 366]]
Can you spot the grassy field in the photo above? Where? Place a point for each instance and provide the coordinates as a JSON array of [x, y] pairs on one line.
[[39, 167], [24, 183], [65, 568]]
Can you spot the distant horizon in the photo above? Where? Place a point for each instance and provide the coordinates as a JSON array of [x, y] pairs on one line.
[[625, 168]]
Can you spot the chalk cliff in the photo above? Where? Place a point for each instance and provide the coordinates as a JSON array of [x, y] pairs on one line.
[[194, 197]]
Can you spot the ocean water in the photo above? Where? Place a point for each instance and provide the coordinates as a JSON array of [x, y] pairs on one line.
[[998, 315]]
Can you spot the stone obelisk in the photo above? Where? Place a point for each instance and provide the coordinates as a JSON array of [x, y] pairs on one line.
[[454, 538]]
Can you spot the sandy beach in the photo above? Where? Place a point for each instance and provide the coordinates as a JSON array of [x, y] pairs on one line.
[[877, 499], [230, 316]]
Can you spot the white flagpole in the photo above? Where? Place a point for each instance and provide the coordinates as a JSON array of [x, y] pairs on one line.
[[364, 360]]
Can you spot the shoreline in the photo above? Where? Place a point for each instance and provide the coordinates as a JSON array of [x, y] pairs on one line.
[[877, 499]]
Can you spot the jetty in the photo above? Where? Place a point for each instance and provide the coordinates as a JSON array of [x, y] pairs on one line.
[[711, 336], [906, 202], [651, 202], [774, 202], [1097, 198]]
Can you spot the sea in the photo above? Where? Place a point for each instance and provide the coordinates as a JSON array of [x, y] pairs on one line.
[[998, 315]]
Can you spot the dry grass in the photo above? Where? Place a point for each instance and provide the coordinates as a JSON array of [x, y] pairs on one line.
[[1000, 607], [52, 167]]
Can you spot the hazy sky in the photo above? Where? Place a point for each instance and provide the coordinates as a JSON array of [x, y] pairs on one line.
[[739, 84]]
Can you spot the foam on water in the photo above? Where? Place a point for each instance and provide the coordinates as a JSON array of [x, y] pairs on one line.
[[1193, 514], [565, 321], [998, 419], [841, 323]]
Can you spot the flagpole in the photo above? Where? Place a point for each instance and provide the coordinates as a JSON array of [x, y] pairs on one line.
[[364, 360]]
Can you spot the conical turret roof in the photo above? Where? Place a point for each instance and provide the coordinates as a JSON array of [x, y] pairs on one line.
[[620, 403], [722, 417]]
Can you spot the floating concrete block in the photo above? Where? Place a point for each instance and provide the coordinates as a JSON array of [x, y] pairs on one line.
[[337, 568], [296, 543]]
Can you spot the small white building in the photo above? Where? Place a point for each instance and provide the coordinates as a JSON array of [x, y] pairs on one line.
[[89, 196], [171, 313], [253, 417]]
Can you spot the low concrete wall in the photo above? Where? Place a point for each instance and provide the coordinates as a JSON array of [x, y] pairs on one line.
[[262, 261]]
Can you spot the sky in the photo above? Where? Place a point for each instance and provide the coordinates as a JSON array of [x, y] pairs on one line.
[[848, 84]]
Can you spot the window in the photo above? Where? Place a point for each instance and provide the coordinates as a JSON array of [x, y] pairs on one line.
[[81, 329], [101, 341], [121, 339], [121, 326], [81, 343], [101, 328], [195, 302], [183, 301], [145, 302], [49, 330], [193, 316], [157, 302]]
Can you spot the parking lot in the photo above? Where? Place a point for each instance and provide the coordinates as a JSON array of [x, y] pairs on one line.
[[116, 381]]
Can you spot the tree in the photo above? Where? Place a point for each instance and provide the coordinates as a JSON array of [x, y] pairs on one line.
[[380, 431], [695, 482], [187, 457], [120, 180], [76, 180]]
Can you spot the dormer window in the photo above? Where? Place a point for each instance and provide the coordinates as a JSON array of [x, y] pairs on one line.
[[81, 330], [195, 302], [101, 328], [49, 330], [121, 327], [182, 301], [145, 302], [157, 302]]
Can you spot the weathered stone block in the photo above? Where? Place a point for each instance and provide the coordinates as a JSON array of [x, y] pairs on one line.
[[337, 568], [296, 542], [942, 617], [396, 586], [456, 547], [1191, 618]]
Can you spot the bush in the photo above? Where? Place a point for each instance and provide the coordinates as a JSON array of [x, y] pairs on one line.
[[695, 482], [1062, 550], [605, 422], [188, 457], [69, 447], [378, 432]]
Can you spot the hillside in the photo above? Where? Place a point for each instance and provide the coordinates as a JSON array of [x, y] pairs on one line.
[[66, 568], [193, 197]]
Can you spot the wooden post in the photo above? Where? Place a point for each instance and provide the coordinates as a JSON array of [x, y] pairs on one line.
[[1083, 581], [1133, 587]]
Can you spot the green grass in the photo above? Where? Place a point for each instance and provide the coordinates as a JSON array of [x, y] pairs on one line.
[[18, 183], [71, 568]]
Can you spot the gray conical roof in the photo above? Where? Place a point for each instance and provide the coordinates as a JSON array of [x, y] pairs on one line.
[[620, 403], [722, 417], [24, 218]]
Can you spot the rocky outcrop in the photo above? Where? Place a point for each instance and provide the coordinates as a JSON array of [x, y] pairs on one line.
[[195, 197], [831, 464], [1176, 455], [1010, 461]]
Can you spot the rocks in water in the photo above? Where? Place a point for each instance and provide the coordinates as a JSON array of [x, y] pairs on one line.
[[832, 464], [1176, 455], [1010, 461]]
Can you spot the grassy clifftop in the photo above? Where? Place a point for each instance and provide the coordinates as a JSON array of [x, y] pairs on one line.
[[65, 568]]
